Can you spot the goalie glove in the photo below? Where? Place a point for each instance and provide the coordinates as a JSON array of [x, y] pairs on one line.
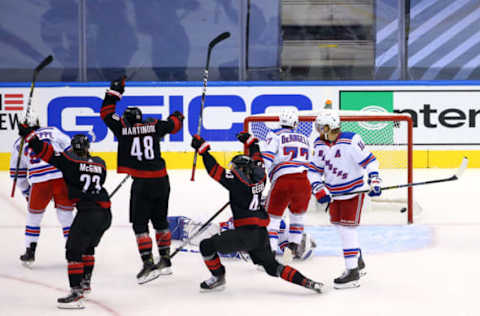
[[375, 184], [321, 193], [199, 144]]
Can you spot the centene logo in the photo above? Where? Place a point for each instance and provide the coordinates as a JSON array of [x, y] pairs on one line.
[[74, 114], [371, 125]]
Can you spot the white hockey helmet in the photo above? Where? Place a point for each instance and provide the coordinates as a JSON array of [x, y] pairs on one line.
[[328, 118], [289, 117]]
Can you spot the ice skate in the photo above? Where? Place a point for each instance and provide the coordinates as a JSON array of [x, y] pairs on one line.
[[349, 279], [29, 256], [213, 284], [72, 301], [148, 273], [85, 284], [361, 266], [164, 266], [316, 286]]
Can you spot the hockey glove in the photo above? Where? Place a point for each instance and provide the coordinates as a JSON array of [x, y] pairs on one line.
[[26, 193], [24, 130], [199, 144], [178, 115], [246, 138], [374, 181], [117, 87], [321, 193]]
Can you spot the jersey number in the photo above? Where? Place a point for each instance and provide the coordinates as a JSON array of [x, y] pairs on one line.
[[88, 179], [147, 151], [255, 203], [294, 151]]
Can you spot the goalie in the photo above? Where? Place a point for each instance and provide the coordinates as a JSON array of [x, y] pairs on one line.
[[183, 227]]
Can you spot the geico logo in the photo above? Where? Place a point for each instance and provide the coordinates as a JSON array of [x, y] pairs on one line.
[[450, 117], [82, 114]]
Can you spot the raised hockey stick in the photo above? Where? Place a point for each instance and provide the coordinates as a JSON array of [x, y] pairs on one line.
[[456, 176], [214, 42], [119, 186], [42, 65], [177, 250]]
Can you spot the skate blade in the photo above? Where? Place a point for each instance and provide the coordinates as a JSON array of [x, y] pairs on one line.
[[215, 289], [165, 271], [149, 277], [27, 264], [73, 305], [349, 285]]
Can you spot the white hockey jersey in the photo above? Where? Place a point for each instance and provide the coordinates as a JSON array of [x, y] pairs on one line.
[[285, 151], [32, 169], [341, 165]]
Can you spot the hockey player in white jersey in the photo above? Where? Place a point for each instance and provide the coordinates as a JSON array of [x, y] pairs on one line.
[[39, 183], [338, 166], [286, 153]]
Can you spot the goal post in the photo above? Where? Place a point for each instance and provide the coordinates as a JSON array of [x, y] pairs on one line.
[[388, 135]]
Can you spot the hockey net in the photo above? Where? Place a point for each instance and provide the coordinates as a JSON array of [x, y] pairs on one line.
[[388, 136]]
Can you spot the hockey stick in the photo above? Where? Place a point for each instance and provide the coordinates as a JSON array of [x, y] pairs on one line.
[[42, 65], [456, 176], [199, 230], [119, 186], [214, 42]]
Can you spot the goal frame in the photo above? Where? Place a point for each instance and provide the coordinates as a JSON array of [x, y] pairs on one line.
[[355, 116]]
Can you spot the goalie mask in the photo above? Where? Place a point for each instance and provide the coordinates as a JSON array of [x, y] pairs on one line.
[[132, 115], [80, 144]]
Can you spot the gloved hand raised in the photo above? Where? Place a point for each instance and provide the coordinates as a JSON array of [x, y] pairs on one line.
[[178, 115], [24, 129], [375, 185], [246, 138], [117, 87], [199, 144]]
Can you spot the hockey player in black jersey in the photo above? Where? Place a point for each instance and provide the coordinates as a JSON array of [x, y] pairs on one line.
[[84, 176], [139, 155], [245, 182]]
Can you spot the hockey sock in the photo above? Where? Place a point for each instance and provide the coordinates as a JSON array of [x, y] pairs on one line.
[[351, 245], [273, 229], [295, 230], [65, 217], [214, 265], [163, 238], [32, 227], [144, 243], [75, 273], [292, 275], [282, 236], [88, 264]]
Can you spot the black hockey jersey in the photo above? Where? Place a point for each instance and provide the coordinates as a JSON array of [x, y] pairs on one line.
[[84, 176], [139, 152], [245, 194]]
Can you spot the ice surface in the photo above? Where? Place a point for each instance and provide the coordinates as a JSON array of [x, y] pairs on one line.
[[429, 268]]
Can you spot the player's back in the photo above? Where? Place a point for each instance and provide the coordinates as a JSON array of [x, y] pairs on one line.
[[287, 151], [139, 151], [39, 170]]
